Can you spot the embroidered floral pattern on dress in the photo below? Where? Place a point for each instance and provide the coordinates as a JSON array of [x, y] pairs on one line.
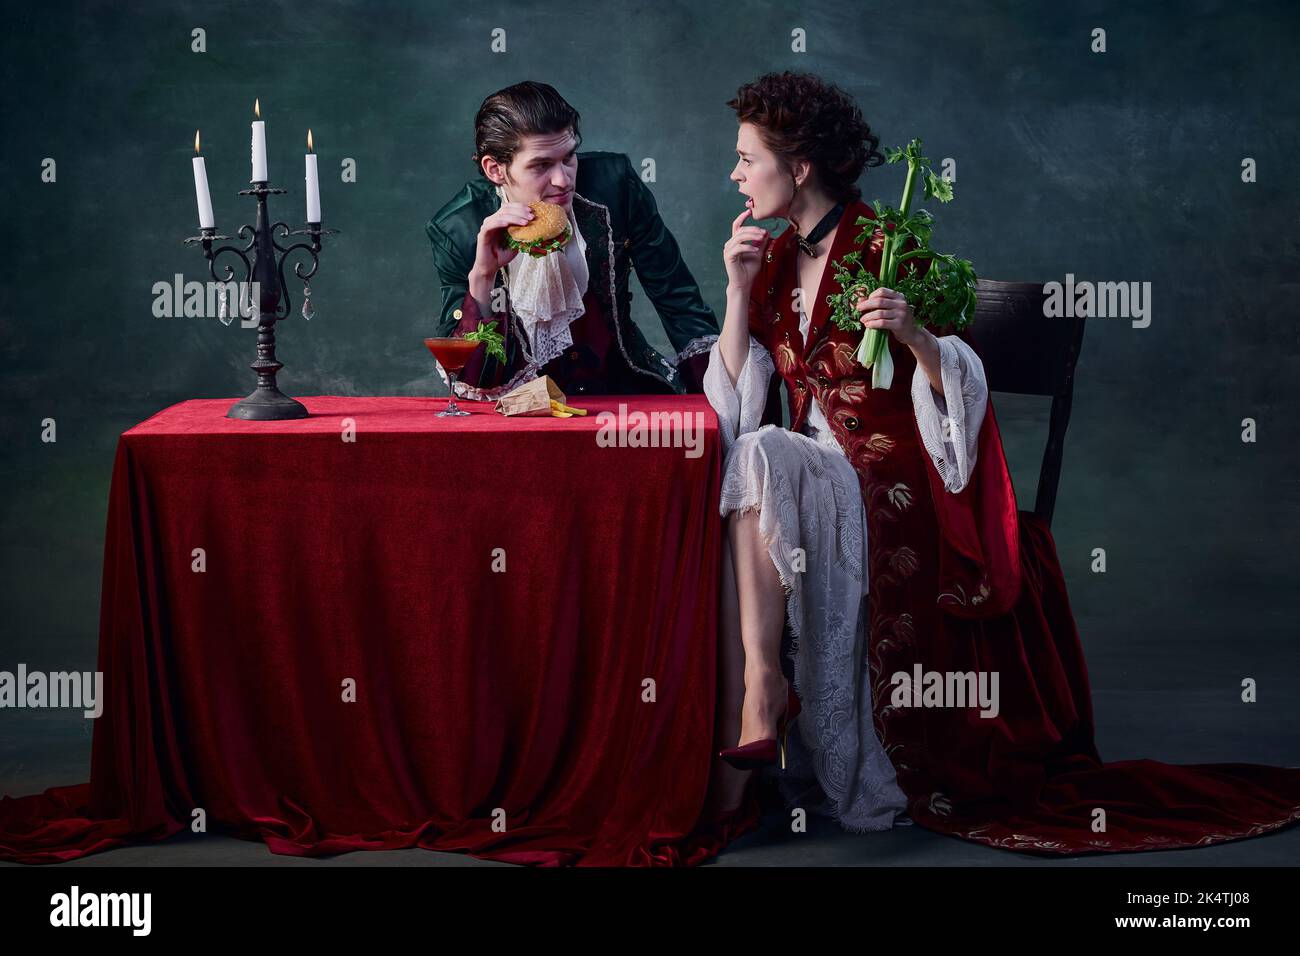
[[862, 450], [900, 496], [842, 361], [853, 391], [960, 597], [784, 356], [903, 561], [940, 804], [997, 835]]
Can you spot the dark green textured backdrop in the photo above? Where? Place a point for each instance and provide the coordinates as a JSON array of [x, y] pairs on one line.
[[1116, 167]]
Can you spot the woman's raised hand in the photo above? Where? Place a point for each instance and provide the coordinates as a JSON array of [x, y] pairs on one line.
[[743, 252]]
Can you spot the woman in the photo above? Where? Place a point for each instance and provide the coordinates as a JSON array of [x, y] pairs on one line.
[[884, 526]]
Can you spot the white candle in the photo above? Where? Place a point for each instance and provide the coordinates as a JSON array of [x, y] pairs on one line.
[[313, 184], [259, 146], [204, 197]]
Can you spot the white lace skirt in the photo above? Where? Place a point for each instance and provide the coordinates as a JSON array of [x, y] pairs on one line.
[[812, 519]]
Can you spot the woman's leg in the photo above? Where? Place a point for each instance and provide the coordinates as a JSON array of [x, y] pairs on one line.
[[751, 684], [728, 785], [762, 620]]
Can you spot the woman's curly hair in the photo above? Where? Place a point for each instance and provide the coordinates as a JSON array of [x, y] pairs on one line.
[[800, 116]]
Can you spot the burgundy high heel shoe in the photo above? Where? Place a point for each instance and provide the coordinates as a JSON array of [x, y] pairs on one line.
[[760, 753]]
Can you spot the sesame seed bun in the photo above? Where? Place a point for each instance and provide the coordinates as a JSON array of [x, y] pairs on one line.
[[549, 221], [548, 231]]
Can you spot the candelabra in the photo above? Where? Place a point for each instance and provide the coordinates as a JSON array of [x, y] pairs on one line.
[[262, 266]]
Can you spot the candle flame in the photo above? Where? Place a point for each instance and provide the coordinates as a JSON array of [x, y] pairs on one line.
[[309, 149], [257, 109], [196, 141]]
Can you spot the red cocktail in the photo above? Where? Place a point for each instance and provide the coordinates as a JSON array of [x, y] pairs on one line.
[[451, 354]]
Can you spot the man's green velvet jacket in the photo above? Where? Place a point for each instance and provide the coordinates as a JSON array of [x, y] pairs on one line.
[[623, 230]]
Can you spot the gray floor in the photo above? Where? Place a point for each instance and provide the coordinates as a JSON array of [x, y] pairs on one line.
[[823, 845]]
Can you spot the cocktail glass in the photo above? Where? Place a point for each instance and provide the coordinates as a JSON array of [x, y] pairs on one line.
[[451, 354]]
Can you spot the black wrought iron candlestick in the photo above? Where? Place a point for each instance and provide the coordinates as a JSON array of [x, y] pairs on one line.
[[266, 403]]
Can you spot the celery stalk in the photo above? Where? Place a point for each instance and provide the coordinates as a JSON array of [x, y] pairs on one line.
[[875, 342], [943, 295]]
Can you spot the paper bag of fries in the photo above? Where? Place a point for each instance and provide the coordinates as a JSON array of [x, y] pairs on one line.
[[541, 396]]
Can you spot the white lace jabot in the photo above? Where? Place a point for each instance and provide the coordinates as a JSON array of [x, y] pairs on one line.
[[546, 293]]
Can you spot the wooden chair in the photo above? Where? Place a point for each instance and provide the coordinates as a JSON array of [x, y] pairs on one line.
[[1026, 353]]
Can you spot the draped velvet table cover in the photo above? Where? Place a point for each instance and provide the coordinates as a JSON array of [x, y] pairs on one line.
[[507, 713]]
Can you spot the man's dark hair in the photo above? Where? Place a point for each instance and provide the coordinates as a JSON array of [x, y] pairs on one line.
[[525, 109]]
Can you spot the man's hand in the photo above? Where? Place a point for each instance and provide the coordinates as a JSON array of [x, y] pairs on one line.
[[491, 252]]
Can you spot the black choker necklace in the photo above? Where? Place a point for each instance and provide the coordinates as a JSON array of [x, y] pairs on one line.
[[809, 243]]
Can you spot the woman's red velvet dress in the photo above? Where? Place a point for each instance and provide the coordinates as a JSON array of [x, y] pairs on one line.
[[967, 582]]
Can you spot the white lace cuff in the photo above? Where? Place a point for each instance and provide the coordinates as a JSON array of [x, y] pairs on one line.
[[950, 424], [472, 393], [695, 347], [739, 407]]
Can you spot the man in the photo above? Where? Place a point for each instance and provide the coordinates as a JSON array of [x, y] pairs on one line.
[[566, 314]]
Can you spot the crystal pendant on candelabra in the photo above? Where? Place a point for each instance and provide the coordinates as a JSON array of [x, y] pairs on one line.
[[223, 311], [250, 306], [308, 312]]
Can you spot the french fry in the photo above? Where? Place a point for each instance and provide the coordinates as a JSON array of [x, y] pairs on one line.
[[568, 410]]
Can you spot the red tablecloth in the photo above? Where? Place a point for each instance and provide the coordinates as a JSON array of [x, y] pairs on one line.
[[506, 714]]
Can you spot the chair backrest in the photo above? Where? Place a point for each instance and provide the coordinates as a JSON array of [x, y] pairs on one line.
[[1026, 353]]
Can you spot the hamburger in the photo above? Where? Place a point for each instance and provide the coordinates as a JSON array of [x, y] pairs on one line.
[[548, 231]]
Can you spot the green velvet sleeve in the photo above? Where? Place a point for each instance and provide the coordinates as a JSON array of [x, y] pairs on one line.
[[453, 274], [659, 265]]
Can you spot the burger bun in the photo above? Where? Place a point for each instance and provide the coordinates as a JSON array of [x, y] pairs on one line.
[[548, 222]]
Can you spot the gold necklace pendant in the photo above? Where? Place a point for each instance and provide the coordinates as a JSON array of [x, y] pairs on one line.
[[806, 247]]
